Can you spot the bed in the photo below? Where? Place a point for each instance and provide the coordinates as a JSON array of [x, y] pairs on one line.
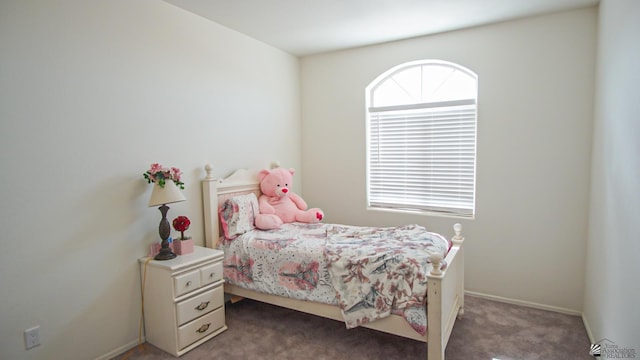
[[441, 264]]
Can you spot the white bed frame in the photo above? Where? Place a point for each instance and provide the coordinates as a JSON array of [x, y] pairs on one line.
[[445, 294]]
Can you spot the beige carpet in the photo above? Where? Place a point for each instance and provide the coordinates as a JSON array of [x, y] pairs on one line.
[[489, 330]]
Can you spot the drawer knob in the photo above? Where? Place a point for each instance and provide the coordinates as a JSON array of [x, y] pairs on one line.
[[188, 283], [203, 328], [211, 275], [202, 305]]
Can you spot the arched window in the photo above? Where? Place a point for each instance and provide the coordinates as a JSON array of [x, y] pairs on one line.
[[421, 139]]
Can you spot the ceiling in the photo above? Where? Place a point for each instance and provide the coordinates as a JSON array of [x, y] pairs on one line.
[[305, 27]]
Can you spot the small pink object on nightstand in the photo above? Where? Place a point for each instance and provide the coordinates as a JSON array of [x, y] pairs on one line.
[[154, 248], [182, 247]]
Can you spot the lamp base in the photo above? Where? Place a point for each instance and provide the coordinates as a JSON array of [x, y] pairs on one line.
[[165, 254], [165, 230]]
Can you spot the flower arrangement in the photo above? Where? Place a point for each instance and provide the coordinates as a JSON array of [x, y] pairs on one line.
[[159, 175], [181, 223]]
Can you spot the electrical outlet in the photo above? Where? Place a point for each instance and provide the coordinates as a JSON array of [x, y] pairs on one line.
[[32, 337]]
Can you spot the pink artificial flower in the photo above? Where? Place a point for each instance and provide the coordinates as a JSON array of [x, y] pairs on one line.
[[159, 174], [155, 167], [176, 174]]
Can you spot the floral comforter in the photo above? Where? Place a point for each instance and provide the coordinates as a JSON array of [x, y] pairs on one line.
[[377, 271], [368, 272], [287, 262]]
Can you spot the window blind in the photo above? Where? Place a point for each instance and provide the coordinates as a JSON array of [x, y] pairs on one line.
[[422, 157]]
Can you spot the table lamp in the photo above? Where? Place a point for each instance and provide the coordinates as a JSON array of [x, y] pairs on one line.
[[163, 196]]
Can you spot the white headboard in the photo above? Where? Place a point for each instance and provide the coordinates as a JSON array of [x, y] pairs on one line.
[[216, 191]]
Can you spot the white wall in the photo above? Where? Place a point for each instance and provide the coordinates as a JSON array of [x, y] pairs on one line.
[[612, 293], [536, 83], [91, 93]]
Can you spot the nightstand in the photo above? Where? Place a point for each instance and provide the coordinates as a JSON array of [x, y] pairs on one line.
[[183, 300]]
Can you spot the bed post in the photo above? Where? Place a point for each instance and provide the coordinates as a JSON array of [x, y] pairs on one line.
[[209, 191], [435, 336], [450, 281], [457, 241]]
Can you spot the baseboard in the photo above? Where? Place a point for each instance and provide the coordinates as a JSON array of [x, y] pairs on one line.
[[588, 328], [121, 349], [524, 303]]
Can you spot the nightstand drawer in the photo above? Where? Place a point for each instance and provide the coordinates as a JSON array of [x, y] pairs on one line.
[[211, 273], [199, 328], [184, 283], [192, 308]]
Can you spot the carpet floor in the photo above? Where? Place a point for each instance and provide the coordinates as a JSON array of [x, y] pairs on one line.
[[488, 330]]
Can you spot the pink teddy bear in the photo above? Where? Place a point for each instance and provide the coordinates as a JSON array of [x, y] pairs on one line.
[[278, 204]]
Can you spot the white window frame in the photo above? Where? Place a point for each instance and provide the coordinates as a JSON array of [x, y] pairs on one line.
[[421, 157]]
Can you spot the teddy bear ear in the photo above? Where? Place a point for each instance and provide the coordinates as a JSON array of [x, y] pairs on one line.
[[262, 174], [291, 170]]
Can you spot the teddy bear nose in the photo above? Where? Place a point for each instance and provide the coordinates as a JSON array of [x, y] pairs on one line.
[[285, 190]]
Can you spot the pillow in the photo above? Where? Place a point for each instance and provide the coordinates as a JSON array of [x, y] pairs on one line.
[[238, 214]]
